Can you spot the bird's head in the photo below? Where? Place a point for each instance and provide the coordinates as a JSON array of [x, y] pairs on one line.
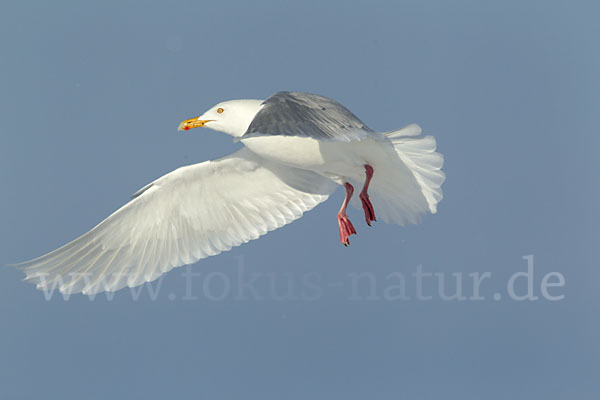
[[232, 117]]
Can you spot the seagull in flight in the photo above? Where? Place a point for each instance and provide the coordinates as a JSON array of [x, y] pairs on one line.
[[298, 148]]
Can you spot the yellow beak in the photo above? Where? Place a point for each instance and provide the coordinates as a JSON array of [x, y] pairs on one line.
[[192, 123]]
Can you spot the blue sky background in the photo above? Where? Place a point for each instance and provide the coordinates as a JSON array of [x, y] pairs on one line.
[[90, 98]]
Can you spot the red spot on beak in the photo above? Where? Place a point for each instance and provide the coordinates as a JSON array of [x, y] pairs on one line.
[[187, 128]]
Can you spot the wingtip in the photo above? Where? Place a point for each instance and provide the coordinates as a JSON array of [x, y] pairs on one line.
[[16, 265]]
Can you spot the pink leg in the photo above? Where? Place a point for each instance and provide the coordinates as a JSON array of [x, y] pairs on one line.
[[346, 228], [364, 197]]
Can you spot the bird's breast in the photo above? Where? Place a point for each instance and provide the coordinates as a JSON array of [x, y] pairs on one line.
[[299, 152], [336, 160]]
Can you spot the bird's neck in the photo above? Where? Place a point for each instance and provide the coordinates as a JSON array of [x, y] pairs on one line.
[[245, 110]]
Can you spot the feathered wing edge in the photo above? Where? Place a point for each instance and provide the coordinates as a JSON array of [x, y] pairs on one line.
[[191, 213]]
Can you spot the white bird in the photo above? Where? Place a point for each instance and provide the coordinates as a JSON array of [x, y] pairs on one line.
[[298, 147]]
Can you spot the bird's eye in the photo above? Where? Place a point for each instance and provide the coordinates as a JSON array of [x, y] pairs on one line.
[[220, 110]]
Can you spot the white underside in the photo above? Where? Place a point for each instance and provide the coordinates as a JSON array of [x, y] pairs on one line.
[[340, 161], [407, 175]]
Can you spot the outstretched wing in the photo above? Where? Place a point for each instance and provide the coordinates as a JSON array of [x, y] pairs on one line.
[[191, 213], [306, 115]]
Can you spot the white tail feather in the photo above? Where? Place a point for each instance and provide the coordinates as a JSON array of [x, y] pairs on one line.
[[408, 183], [408, 130], [425, 163]]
